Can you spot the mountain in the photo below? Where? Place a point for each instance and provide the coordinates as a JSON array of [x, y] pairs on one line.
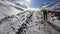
[[11, 17], [53, 16], [7, 10], [53, 5]]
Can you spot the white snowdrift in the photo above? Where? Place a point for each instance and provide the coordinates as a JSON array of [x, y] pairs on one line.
[[7, 10]]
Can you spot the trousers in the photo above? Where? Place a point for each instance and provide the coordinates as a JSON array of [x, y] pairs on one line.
[[45, 16]]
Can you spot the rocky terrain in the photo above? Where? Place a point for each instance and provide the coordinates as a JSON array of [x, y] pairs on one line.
[[25, 22], [16, 20]]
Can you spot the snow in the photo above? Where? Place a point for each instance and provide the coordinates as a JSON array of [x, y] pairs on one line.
[[14, 22], [6, 10], [54, 6], [17, 21]]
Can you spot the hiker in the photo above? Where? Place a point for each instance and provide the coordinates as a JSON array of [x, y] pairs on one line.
[[45, 12]]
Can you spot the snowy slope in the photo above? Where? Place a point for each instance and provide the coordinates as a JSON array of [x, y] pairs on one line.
[[54, 6], [14, 21], [7, 10]]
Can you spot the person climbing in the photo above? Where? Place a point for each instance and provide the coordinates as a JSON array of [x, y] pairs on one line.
[[45, 12]]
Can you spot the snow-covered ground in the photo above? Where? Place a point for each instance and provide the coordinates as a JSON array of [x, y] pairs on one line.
[[16, 20], [7, 10]]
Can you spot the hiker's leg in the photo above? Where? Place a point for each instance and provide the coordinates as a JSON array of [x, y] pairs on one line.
[[46, 16]]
